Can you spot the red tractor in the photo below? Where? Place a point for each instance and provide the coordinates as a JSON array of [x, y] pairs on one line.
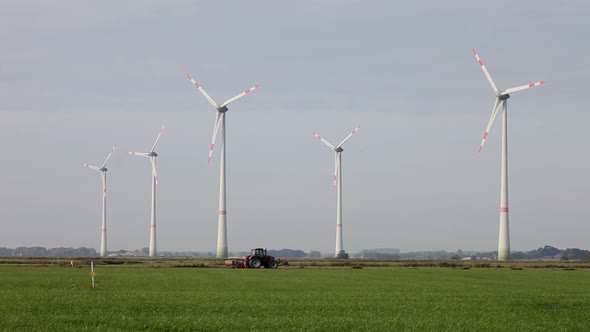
[[254, 260], [258, 258]]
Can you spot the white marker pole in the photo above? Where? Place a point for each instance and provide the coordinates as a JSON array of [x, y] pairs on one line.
[[92, 274]]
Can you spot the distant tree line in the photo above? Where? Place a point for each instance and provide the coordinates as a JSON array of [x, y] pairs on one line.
[[287, 253], [42, 252], [549, 252], [85, 252], [546, 252]]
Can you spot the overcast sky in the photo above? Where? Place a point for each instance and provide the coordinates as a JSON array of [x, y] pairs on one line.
[[77, 77]]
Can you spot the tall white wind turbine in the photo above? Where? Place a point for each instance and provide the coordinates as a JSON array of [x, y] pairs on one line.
[[501, 103], [337, 184], [103, 173], [152, 155], [222, 251]]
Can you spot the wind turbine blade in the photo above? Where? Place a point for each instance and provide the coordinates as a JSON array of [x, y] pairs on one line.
[[154, 171], [218, 119], [522, 87], [211, 101], [231, 100], [323, 140], [104, 183], [485, 71], [336, 170], [349, 136], [91, 167], [158, 138], [141, 154], [109, 156], [497, 105]]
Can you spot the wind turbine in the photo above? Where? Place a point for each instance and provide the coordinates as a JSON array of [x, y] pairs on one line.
[[222, 251], [103, 173], [501, 103], [152, 155], [338, 184]]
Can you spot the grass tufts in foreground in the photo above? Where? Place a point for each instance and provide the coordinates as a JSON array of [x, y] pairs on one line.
[[368, 299]]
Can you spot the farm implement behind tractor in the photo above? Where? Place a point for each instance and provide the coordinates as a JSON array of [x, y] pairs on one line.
[[254, 260]]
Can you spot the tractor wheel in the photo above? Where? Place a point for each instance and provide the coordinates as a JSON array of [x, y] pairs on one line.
[[255, 263], [273, 264]]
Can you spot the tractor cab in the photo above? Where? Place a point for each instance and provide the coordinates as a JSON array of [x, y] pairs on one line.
[[258, 252]]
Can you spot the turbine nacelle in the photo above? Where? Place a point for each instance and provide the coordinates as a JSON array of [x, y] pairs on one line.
[[152, 152], [152, 155], [501, 96], [338, 149], [221, 109], [102, 168]]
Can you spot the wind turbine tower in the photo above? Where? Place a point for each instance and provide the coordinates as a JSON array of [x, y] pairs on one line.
[[222, 251], [337, 184], [152, 156], [103, 173], [501, 104]]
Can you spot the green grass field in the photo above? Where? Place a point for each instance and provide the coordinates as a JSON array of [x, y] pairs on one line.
[[295, 299]]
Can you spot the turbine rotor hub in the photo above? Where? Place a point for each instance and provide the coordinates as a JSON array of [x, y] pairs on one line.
[[153, 154], [222, 109], [340, 149], [104, 169], [504, 97]]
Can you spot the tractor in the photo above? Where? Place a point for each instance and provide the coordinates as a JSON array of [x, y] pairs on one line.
[[254, 260], [258, 258]]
